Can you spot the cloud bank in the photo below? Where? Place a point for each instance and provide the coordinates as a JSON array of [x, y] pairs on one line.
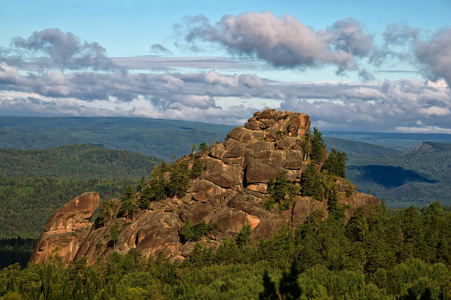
[[89, 83], [212, 97]]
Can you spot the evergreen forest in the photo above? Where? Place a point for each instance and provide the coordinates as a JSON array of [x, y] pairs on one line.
[[399, 250], [384, 254]]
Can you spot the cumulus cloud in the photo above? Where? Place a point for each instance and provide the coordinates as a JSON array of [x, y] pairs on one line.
[[372, 106], [431, 55], [282, 41], [435, 54], [216, 97], [52, 48]]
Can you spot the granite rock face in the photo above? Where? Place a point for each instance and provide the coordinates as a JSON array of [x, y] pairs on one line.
[[230, 192], [67, 229]]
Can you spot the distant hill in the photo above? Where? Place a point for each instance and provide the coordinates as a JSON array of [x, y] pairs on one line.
[[367, 151], [358, 150], [400, 141], [75, 162], [414, 177], [158, 138], [35, 183]]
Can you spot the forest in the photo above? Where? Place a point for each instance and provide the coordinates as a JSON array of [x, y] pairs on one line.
[[380, 253], [385, 254]]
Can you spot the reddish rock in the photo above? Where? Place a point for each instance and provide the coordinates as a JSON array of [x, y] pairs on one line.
[[261, 171], [197, 212], [204, 190], [231, 221], [267, 114], [67, 229], [231, 191]]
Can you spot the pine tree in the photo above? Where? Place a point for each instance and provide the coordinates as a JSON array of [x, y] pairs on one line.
[[318, 146], [311, 185], [129, 205], [335, 163]]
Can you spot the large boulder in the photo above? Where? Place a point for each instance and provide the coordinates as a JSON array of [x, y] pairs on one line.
[[67, 229]]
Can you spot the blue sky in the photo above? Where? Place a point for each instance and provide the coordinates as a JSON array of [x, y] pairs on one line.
[[352, 65]]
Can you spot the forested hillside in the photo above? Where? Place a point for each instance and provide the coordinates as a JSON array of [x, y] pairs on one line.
[[157, 138], [34, 184], [75, 162], [403, 254], [416, 177]]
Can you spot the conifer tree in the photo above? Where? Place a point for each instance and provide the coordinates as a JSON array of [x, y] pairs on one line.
[[310, 182], [318, 146]]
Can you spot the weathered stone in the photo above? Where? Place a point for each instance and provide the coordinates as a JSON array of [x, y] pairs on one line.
[[286, 143], [357, 200], [297, 124], [217, 151], [260, 171], [204, 190], [222, 179], [224, 175], [269, 123], [258, 187], [249, 204], [267, 114], [67, 229], [275, 133], [231, 191], [253, 220], [270, 225], [254, 125], [303, 207], [231, 221], [235, 151], [244, 135], [292, 159], [280, 115], [197, 212]]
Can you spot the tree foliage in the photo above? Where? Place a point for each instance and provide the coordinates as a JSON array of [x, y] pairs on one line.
[[402, 254], [281, 191], [335, 163]]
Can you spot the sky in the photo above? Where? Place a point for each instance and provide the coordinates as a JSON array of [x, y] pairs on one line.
[[372, 65]]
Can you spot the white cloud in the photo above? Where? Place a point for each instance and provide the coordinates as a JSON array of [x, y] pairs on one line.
[[434, 110], [424, 129]]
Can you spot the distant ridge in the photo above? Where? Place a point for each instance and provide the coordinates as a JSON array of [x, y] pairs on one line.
[[77, 161]]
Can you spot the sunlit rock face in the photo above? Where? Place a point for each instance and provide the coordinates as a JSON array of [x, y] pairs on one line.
[[67, 229], [231, 192]]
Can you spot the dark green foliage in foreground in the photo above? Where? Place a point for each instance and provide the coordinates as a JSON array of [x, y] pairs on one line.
[[403, 254]]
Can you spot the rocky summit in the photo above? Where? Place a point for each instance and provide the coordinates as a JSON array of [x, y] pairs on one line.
[[238, 184]]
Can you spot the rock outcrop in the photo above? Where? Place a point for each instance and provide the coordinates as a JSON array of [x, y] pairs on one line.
[[67, 229], [230, 192]]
